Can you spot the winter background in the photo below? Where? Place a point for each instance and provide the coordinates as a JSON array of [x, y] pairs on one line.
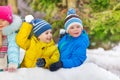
[[100, 65]]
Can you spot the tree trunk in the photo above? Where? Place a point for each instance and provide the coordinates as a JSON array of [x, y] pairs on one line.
[[13, 4], [64, 3], [2, 2], [71, 3]]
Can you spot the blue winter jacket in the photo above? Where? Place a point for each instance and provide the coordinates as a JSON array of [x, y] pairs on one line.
[[13, 49], [73, 50]]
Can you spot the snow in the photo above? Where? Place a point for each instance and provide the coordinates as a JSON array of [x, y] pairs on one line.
[[100, 65]]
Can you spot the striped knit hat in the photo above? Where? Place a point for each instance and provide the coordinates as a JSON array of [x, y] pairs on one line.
[[40, 26], [72, 18]]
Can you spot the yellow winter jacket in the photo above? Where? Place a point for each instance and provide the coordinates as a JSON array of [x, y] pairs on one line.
[[35, 49]]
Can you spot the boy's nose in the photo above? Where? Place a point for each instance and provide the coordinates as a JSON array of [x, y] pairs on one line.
[[50, 34]]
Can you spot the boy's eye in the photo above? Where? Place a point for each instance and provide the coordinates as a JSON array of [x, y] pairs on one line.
[[46, 33], [51, 32], [77, 26], [71, 27]]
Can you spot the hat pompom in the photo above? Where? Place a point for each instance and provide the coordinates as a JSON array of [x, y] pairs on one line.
[[72, 18], [71, 11]]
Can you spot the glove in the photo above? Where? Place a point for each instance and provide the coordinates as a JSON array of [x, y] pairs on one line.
[[56, 66], [62, 33], [40, 62], [29, 18]]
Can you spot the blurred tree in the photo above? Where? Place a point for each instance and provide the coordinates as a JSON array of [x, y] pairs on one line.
[[99, 5], [13, 3], [24, 8], [3, 2], [71, 3], [64, 3]]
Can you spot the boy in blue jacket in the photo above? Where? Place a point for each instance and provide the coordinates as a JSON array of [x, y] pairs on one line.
[[73, 44]]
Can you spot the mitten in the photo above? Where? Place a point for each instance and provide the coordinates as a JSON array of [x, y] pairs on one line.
[[40, 62], [62, 33], [56, 66], [29, 18]]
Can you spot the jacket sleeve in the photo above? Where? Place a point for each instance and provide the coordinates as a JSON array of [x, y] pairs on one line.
[[54, 58], [76, 59], [53, 54], [13, 50], [22, 37]]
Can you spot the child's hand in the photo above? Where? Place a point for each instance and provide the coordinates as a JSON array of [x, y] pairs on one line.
[[56, 66], [29, 18], [40, 62], [12, 67]]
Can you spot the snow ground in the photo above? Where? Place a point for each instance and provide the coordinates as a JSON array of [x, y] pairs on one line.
[[100, 65]]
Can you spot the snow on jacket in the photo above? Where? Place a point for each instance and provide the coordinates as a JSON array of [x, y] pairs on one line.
[[73, 50], [35, 49], [11, 31]]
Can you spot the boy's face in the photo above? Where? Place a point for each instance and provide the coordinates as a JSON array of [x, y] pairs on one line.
[[75, 30], [46, 36], [3, 23]]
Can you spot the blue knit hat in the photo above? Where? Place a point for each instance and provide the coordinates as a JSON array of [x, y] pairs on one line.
[[40, 26], [72, 18]]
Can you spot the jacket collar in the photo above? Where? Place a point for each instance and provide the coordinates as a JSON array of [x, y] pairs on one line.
[[14, 26]]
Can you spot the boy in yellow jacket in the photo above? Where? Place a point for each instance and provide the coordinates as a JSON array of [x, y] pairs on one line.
[[40, 48]]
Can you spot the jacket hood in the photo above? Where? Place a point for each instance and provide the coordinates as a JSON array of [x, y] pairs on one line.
[[14, 26]]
